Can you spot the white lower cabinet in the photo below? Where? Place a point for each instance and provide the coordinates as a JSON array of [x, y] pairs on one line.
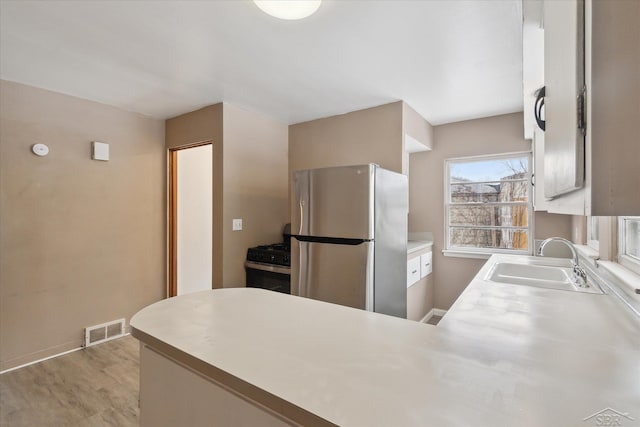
[[418, 267], [425, 264], [419, 283], [413, 271]]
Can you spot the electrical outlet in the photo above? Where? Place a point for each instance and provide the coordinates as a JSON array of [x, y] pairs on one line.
[[237, 225]]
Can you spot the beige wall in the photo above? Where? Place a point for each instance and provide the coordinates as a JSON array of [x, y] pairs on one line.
[[373, 135], [81, 241], [255, 186], [415, 126], [549, 225], [194, 127], [578, 229], [249, 180], [499, 134]]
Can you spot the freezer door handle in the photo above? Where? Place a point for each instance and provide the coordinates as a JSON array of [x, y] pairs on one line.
[[331, 240]]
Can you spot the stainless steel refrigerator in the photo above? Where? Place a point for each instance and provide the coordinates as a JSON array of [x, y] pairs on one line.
[[349, 237]]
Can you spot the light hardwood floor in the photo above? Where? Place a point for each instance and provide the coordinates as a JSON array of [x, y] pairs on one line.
[[97, 386]]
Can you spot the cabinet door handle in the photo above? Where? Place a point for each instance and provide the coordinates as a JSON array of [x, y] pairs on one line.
[[580, 110], [537, 108], [414, 271]]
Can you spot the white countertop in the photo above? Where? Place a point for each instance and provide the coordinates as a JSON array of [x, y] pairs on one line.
[[418, 245], [504, 355]]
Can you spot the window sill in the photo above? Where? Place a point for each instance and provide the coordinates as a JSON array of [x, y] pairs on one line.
[[465, 254], [624, 278], [476, 254], [629, 280], [626, 275], [588, 253], [629, 263]]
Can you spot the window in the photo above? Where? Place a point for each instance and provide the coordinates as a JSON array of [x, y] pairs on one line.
[[593, 238], [488, 204], [629, 242]]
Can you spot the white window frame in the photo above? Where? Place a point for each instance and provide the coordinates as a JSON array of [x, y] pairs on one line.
[[476, 252], [625, 260], [593, 241]]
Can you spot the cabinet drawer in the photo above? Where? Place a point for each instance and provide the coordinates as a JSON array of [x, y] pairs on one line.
[[426, 264], [413, 271]]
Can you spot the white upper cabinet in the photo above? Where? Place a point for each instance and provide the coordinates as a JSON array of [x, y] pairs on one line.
[[588, 158], [563, 102], [532, 60]]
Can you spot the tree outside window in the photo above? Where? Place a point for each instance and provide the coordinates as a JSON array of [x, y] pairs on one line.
[[488, 203]]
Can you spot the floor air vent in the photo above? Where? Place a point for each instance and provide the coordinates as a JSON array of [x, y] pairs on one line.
[[104, 332]]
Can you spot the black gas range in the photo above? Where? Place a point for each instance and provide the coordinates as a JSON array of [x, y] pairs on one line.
[[276, 254], [269, 266]]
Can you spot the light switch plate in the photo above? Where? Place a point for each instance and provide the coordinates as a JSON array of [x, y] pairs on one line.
[[99, 151], [237, 224]]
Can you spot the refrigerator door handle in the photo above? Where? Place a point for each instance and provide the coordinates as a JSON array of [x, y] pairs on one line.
[[303, 277], [301, 215], [369, 291]]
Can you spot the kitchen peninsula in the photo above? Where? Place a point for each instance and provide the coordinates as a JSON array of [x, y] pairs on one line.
[[504, 355]]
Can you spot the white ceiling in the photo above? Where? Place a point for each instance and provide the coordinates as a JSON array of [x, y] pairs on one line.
[[451, 60]]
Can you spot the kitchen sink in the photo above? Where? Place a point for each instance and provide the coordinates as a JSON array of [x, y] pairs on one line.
[[539, 276]]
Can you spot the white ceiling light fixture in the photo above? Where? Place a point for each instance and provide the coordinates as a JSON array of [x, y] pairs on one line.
[[288, 9]]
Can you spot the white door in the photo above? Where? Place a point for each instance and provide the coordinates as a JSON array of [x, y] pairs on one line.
[[194, 210]]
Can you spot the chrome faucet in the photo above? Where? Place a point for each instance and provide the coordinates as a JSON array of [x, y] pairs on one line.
[[579, 276]]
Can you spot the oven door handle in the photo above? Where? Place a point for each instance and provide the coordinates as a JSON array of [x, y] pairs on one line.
[[267, 267]]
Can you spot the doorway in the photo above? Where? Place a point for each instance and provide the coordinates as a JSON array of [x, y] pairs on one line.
[[190, 218]]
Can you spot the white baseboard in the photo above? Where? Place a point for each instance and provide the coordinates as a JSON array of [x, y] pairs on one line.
[[40, 360], [426, 318], [49, 357], [433, 312]]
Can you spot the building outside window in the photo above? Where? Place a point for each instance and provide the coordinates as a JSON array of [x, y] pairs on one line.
[[488, 204], [629, 242]]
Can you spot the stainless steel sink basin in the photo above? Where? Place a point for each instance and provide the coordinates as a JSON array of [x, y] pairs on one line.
[[539, 276]]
